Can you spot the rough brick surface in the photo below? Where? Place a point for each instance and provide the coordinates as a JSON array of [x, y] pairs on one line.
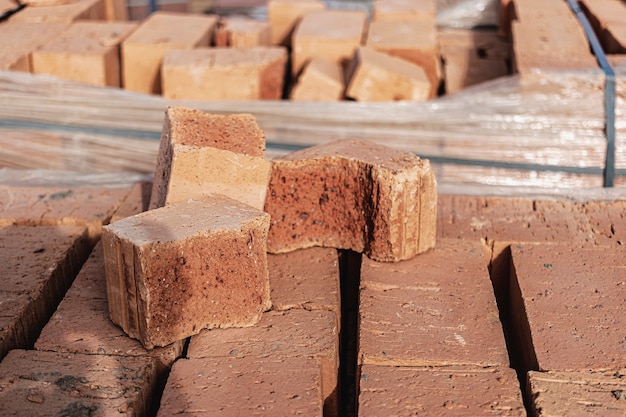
[[65, 13], [306, 278], [330, 34], [22, 38], [86, 52], [202, 153], [37, 383], [143, 51], [285, 15], [354, 195], [412, 41], [607, 221], [242, 32], [178, 269], [577, 393], [254, 73], [81, 323], [320, 80], [566, 305], [437, 309], [137, 201], [377, 76], [243, 386], [608, 18], [38, 265], [293, 334], [403, 10], [450, 391]]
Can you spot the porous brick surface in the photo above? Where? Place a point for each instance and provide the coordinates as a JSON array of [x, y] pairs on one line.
[[20, 39], [86, 52], [607, 221], [247, 386], [331, 34], [442, 301], [64, 13], [294, 334], [38, 265], [355, 195], [202, 153], [81, 323], [306, 278], [577, 393], [449, 391], [285, 15], [377, 76], [566, 304], [320, 80], [143, 51], [178, 269], [38, 383], [254, 73]]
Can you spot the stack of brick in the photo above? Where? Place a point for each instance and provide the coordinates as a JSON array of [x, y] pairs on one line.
[[607, 18]]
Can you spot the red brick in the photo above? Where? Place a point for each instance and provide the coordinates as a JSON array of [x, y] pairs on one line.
[[607, 221], [65, 13], [566, 305], [403, 10], [320, 80], [39, 264], [20, 39], [285, 15], [243, 386], [86, 52], [330, 34], [178, 269], [242, 32], [202, 153], [354, 195], [37, 383], [412, 41], [307, 278], [143, 51], [376, 76], [288, 335], [81, 322], [255, 73], [609, 20], [577, 393], [437, 309], [449, 391]]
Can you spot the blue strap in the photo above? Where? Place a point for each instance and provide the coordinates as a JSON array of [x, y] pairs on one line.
[[609, 93]]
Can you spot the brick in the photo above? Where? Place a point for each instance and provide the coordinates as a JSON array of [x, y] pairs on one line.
[[137, 201], [53, 206], [285, 15], [39, 3], [21, 39], [39, 264], [376, 76], [53, 384], [116, 10], [65, 13], [306, 279], [450, 391], [178, 269], [202, 153], [352, 194], [566, 306], [243, 386], [331, 34], [577, 393], [288, 335], [403, 10], [81, 322], [242, 32], [412, 41], [86, 52], [320, 80], [437, 309], [143, 51], [608, 18], [255, 73], [607, 221]]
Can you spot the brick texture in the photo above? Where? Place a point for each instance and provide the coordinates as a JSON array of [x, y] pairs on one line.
[[65, 13], [352, 195], [178, 269], [320, 80], [403, 10], [242, 32], [285, 15], [20, 39]]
